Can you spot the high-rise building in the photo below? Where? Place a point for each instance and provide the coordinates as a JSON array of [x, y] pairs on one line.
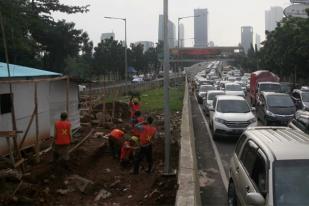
[[146, 44], [181, 35], [201, 28], [171, 32], [246, 37], [272, 17], [107, 36], [258, 41]]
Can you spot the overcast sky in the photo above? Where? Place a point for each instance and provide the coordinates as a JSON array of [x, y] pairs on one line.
[[225, 18]]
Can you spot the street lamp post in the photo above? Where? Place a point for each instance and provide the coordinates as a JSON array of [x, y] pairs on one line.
[[180, 18], [125, 51]]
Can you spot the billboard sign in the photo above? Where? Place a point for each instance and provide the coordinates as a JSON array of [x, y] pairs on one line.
[[296, 10], [300, 1]]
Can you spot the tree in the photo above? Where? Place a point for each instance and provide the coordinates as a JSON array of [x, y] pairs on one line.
[[35, 38]]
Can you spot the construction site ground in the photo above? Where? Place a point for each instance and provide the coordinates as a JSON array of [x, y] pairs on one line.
[[94, 177]]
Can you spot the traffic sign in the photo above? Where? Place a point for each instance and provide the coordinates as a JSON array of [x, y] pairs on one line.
[[300, 1], [296, 10]]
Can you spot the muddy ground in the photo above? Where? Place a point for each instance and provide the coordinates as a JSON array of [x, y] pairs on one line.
[[93, 177]]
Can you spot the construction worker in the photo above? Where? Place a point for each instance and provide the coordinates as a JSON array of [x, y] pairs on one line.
[[134, 105], [63, 138], [127, 150], [147, 134], [115, 141]]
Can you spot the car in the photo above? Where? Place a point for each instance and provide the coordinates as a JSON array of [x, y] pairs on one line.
[[233, 89], [286, 87], [300, 99], [230, 116], [208, 100], [269, 166], [300, 121], [275, 108], [137, 80], [202, 92]]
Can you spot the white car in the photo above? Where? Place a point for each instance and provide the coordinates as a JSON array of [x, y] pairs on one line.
[[208, 101], [137, 80], [234, 89], [231, 116]]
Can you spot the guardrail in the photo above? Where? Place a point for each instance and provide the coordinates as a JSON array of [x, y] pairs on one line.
[[119, 90], [189, 189]]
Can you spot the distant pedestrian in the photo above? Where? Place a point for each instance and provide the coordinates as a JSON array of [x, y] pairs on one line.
[[115, 141], [147, 134], [63, 138]]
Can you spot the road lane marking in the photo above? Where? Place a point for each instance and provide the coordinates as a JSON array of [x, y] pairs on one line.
[[218, 158]]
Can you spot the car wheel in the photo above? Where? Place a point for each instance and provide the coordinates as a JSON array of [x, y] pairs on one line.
[[214, 135], [231, 195]]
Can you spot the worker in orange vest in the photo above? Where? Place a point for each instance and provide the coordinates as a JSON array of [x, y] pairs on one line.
[[147, 134], [115, 141], [134, 105], [127, 150], [63, 138]]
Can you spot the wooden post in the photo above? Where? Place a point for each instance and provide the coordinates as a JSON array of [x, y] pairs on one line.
[[37, 140], [11, 151], [67, 100], [27, 130]]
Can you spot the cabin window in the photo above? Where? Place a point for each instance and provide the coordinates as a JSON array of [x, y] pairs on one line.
[[5, 103]]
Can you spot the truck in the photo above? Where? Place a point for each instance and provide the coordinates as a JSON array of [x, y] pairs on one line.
[[260, 76]]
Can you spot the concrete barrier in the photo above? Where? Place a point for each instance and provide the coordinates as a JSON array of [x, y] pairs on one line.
[[188, 193]]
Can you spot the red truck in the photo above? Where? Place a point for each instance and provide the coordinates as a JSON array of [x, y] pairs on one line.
[[262, 76]]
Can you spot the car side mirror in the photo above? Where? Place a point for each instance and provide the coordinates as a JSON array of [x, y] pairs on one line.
[[254, 198], [253, 109]]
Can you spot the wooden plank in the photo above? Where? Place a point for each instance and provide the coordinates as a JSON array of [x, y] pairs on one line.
[[8, 133], [37, 140], [67, 96], [81, 142], [27, 130]]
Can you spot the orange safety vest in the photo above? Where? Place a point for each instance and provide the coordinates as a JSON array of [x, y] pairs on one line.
[[147, 133], [125, 151], [117, 134], [63, 132]]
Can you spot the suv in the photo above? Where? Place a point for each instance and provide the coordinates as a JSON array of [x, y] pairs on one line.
[[275, 108], [300, 121], [231, 116], [233, 89], [301, 99], [270, 167]]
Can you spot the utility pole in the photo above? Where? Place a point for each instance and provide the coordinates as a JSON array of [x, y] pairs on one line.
[[166, 65]]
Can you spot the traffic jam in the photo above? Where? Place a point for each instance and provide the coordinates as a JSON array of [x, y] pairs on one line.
[[270, 121]]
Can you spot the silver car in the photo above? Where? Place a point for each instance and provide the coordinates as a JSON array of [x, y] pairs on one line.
[[270, 167]]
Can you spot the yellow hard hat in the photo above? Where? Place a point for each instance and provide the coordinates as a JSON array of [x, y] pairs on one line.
[[135, 100], [135, 139]]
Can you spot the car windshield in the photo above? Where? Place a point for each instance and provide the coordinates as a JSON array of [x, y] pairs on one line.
[[279, 101], [270, 88], [206, 88], [291, 182], [212, 96], [233, 106], [233, 87], [305, 97]]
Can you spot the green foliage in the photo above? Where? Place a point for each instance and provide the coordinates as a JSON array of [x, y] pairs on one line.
[[153, 100], [287, 48], [35, 39]]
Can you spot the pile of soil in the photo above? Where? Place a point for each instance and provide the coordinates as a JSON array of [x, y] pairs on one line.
[[107, 183]]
